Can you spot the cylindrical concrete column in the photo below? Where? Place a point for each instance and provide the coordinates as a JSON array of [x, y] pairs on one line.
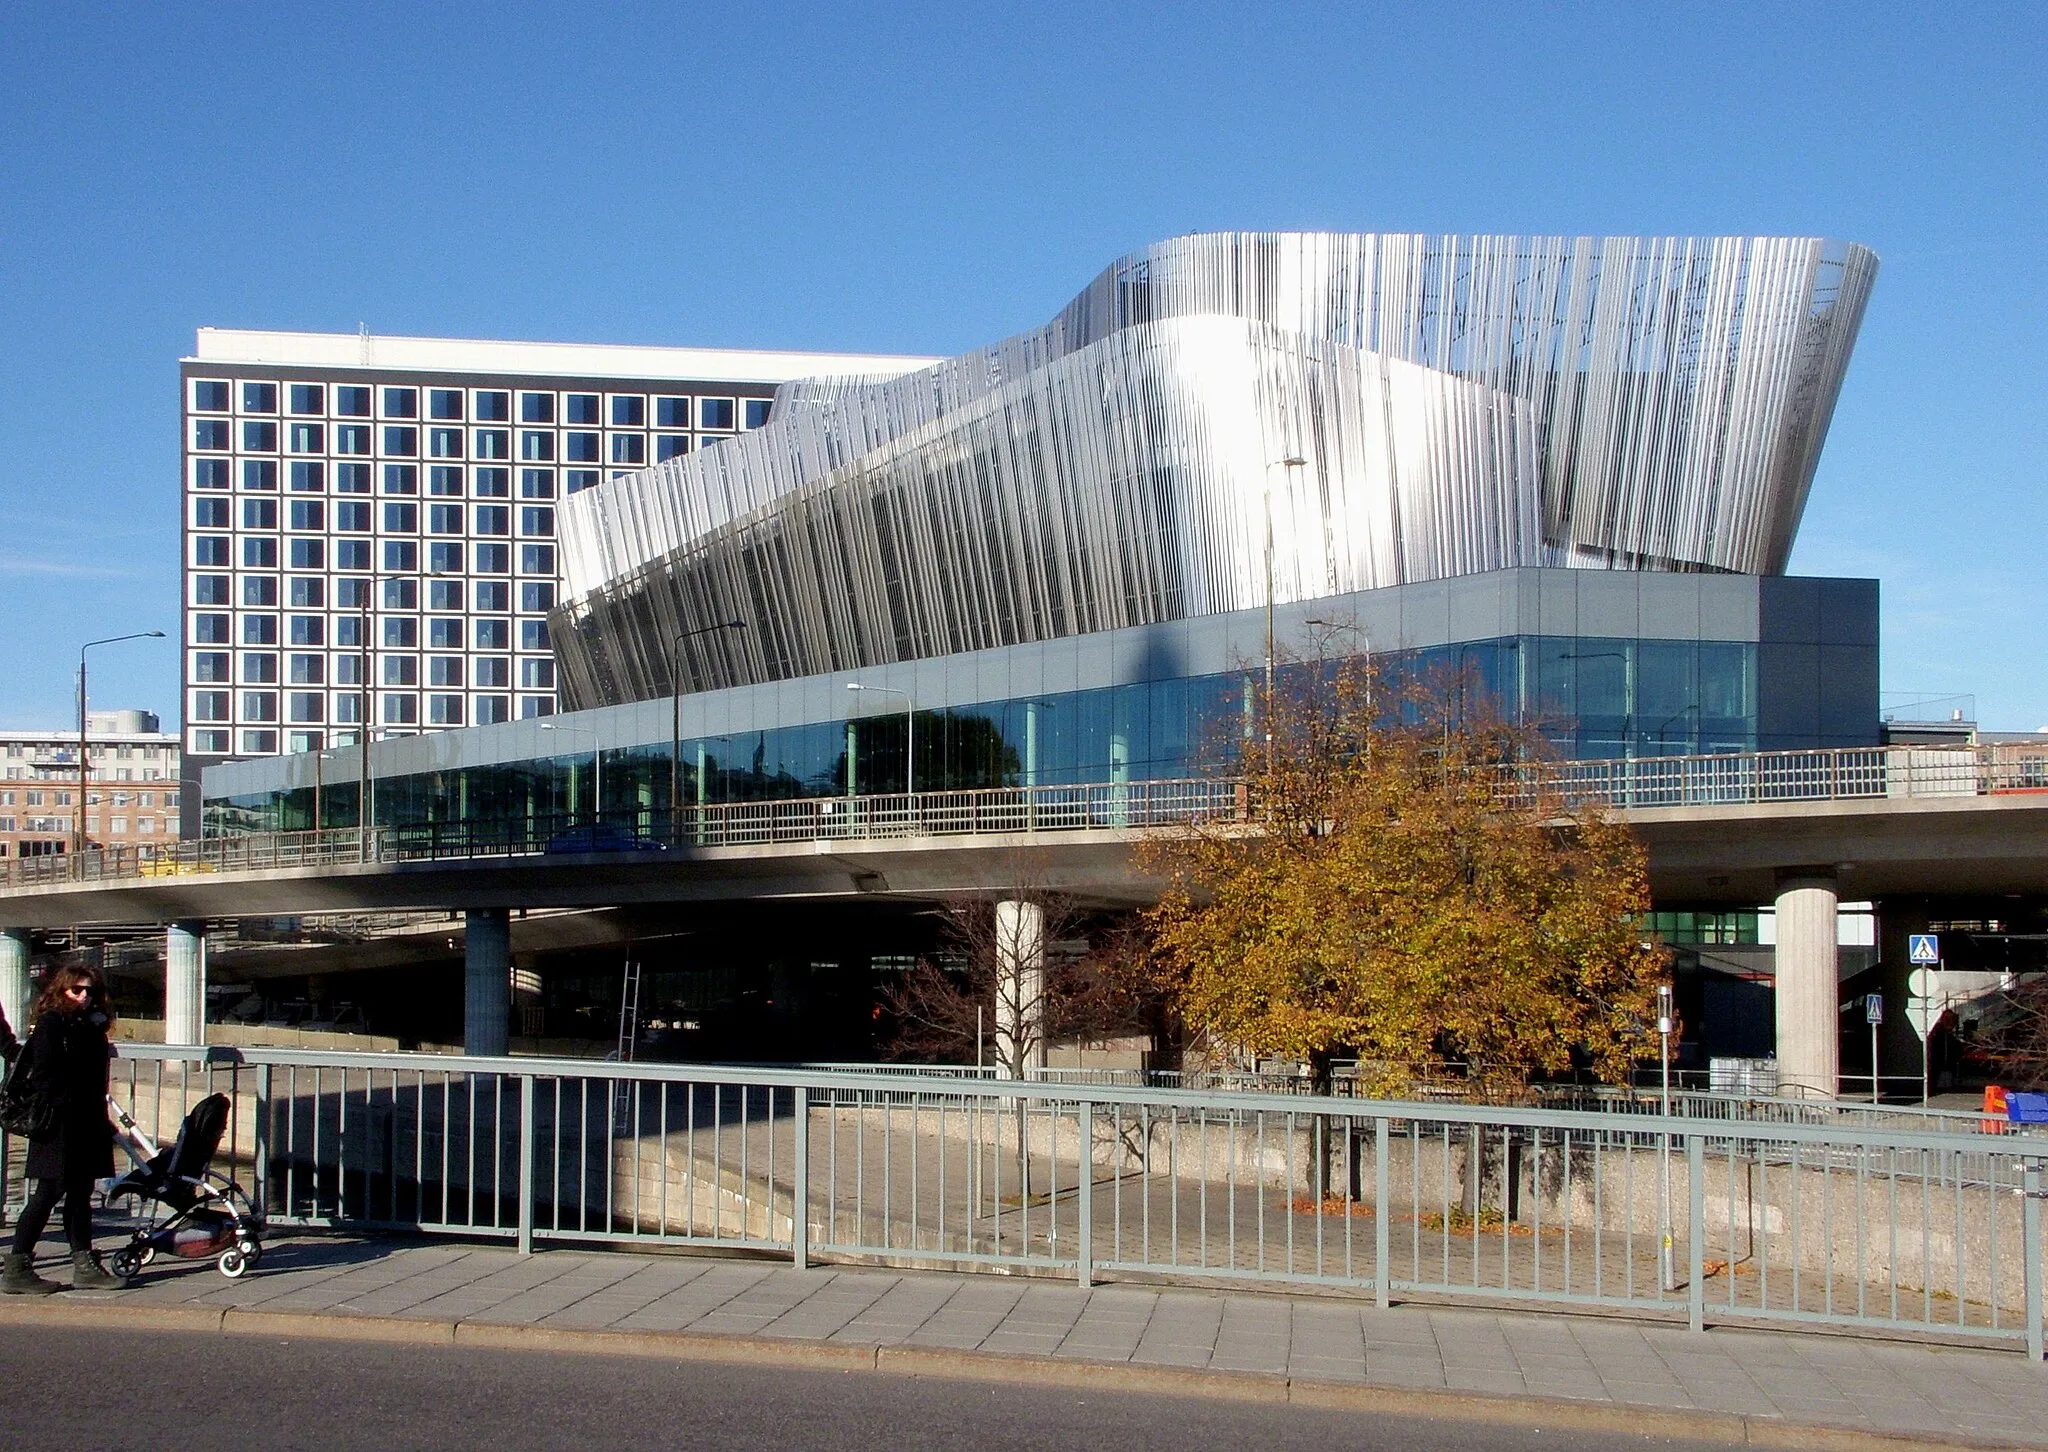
[[15, 946], [185, 983], [1020, 986], [1809, 998], [487, 981]]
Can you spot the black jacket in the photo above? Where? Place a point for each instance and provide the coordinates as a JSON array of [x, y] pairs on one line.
[[66, 1063]]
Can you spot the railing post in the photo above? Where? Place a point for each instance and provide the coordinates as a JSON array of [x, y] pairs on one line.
[[2030, 1228], [260, 1144], [526, 1133], [1381, 1259], [800, 1183], [1084, 1237], [1696, 1232]]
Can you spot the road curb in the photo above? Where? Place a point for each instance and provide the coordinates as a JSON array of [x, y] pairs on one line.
[[1443, 1405]]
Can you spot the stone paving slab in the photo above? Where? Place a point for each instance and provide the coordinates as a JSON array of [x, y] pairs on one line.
[[1778, 1381]]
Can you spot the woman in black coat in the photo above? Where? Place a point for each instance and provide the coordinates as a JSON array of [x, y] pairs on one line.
[[64, 1066]]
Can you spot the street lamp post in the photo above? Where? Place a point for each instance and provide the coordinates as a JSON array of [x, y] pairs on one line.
[[675, 742], [1292, 461], [78, 845], [366, 695], [1664, 1027], [909, 731], [596, 766]]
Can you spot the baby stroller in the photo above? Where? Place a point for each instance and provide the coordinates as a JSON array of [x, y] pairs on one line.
[[186, 1208]]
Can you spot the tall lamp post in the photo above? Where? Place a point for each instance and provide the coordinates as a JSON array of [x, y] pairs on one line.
[[596, 766], [1664, 1026], [675, 735], [366, 696], [1292, 461], [909, 731], [78, 845]]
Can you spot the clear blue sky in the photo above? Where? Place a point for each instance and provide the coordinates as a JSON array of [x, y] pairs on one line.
[[926, 179]]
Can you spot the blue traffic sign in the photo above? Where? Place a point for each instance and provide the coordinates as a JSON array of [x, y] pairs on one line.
[[1923, 948]]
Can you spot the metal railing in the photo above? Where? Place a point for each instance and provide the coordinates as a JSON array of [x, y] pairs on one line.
[[1861, 773], [1931, 1234]]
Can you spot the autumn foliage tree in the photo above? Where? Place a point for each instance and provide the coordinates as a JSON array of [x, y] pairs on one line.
[[1399, 889]]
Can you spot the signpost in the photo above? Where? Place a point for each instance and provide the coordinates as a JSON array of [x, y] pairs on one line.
[[1873, 1014]]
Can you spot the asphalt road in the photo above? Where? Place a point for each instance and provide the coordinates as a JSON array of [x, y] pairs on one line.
[[69, 1388]]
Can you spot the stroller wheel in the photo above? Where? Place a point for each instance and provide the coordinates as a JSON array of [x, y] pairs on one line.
[[145, 1255], [125, 1263], [233, 1264], [252, 1251]]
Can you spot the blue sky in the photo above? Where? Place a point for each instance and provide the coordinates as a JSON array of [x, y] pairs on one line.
[[911, 178]]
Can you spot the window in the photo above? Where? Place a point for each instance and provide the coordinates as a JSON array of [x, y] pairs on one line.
[[444, 710], [351, 438], [493, 635], [308, 670], [308, 398], [493, 670], [757, 412], [444, 558], [492, 595], [670, 446], [259, 398], [259, 514], [351, 514], [444, 403], [259, 668], [210, 550], [309, 554], [306, 706], [309, 438], [351, 554], [209, 705], [445, 481], [211, 629], [401, 670], [493, 483], [259, 474], [493, 406], [401, 710], [401, 439], [214, 743], [536, 559], [308, 476], [714, 413], [443, 518], [349, 595], [209, 433], [401, 556], [209, 665], [537, 408], [493, 444], [536, 597], [445, 594], [490, 710], [307, 515], [352, 401], [531, 706], [347, 709], [577, 480], [401, 518], [533, 635], [493, 519], [671, 413], [444, 443], [308, 630], [401, 403], [210, 395], [444, 670], [259, 630], [580, 448], [401, 594], [210, 514], [348, 671], [259, 436], [629, 449], [492, 559], [629, 410], [536, 483], [534, 446], [351, 478], [444, 635], [308, 594], [259, 592], [580, 408], [260, 553], [401, 632], [537, 521], [401, 479], [259, 706], [209, 473]]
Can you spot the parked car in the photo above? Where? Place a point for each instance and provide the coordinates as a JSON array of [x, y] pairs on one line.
[[602, 837]]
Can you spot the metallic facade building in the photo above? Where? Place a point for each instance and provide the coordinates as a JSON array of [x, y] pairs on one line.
[[1395, 408]]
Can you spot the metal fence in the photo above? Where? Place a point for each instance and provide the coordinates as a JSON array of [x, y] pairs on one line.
[[1930, 1234]]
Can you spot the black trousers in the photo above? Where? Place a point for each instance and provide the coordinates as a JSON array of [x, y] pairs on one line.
[[42, 1199]]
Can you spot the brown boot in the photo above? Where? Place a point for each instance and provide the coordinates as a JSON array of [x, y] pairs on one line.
[[87, 1274], [19, 1278]]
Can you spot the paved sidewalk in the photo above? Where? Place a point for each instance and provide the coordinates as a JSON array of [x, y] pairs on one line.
[[1753, 1386]]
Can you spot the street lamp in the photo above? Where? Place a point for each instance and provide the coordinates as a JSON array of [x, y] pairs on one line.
[[1664, 1027], [84, 762], [909, 732], [1292, 461], [675, 735], [596, 766]]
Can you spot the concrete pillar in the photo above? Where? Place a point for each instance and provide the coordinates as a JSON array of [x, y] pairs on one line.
[[185, 982], [1020, 986], [1809, 1007], [15, 946], [487, 981]]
